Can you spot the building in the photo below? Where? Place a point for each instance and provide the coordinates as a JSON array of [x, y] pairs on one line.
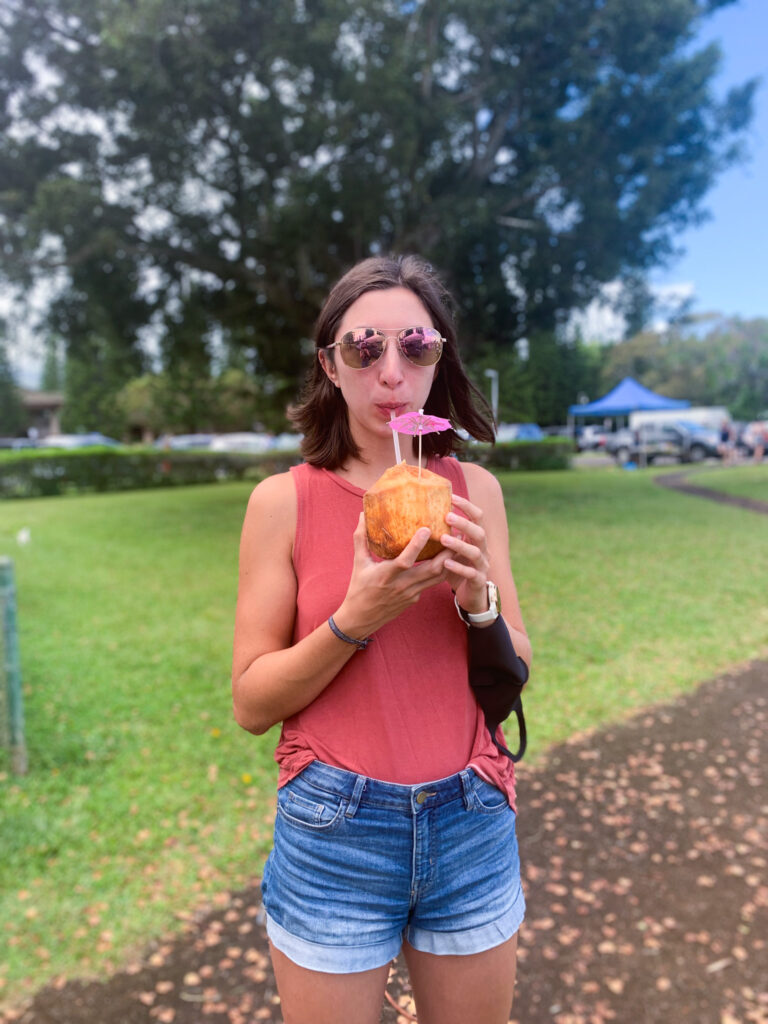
[[43, 412]]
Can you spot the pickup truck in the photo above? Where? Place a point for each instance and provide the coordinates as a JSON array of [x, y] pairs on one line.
[[683, 442]]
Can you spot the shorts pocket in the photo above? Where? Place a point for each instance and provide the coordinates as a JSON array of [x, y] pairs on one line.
[[307, 811], [487, 798]]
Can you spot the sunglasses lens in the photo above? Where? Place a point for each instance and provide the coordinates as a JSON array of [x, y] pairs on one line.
[[421, 345], [362, 347]]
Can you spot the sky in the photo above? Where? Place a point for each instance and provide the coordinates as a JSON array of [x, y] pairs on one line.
[[725, 265]]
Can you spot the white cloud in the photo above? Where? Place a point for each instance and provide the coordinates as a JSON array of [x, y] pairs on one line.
[[603, 321], [669, 299]]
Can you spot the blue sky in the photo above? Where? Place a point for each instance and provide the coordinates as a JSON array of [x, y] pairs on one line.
[[726, 259]]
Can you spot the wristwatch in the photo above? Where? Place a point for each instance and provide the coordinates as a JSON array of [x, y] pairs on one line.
[[494, 607]]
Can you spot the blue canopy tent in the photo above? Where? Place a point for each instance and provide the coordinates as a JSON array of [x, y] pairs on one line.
[[627, 397]]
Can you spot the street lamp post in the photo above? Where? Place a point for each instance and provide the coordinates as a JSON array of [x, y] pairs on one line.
[[494, 376]]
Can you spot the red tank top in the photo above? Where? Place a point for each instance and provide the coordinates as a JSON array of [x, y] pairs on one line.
[[401, 710]]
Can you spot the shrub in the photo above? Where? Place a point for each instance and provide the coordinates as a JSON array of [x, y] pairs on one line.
[[32, 475], [552, 453]]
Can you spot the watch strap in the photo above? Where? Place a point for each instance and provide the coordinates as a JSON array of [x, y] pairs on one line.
[[481, 617]]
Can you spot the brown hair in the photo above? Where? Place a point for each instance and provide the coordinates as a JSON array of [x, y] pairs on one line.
[[321, 415]]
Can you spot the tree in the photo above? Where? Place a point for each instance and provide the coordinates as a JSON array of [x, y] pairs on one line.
[[222, 162], [12, 417], [727, 365], [52, 378]]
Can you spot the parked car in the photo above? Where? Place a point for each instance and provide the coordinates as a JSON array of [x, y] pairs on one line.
[[519, 432], [750, 434], [17, 443], [590, 438], [184, 442], [699, 442], [248, 442], [92, 439], [286, 442], [684, 442]]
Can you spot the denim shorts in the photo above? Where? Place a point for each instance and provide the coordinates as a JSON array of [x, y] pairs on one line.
[[359, 865]]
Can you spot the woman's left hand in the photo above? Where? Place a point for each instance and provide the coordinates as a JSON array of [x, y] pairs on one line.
[[469, 561]]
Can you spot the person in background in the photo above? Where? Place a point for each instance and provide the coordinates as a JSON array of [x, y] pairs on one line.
[[395, 827], [727, 445], [761, 440]]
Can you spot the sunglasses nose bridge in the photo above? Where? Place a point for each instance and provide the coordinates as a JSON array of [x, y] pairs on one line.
[[392, 353]]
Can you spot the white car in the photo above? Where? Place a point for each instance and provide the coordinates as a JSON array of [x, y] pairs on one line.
[[248, 443], [91, 440], [590, 438]]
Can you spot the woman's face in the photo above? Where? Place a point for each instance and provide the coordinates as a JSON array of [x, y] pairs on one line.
[[392, 385]]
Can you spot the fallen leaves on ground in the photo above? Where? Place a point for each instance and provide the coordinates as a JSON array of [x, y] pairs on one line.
[[644, 853]]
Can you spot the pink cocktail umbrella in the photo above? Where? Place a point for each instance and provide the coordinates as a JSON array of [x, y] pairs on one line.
[[416, 424]]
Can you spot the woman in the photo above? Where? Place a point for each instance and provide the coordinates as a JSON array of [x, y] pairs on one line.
[[395, 825]]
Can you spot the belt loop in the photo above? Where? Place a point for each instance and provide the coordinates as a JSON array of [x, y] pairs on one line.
[[466, 785], [354, 800]]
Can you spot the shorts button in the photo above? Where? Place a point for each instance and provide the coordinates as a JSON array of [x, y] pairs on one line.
[[422, 796]]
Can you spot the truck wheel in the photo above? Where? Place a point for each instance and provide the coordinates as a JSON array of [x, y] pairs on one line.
[[697, 453], [622, 455]]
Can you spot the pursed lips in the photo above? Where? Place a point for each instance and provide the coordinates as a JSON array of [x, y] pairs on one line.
[[389, 409]]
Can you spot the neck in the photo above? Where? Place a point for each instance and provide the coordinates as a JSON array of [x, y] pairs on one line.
[[366, 470]]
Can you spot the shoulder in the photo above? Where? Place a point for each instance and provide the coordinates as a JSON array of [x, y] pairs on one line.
[[272, 508], [273, 492]]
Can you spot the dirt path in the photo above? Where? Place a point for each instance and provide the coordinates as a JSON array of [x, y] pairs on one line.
[[644, 849], [679, 482]]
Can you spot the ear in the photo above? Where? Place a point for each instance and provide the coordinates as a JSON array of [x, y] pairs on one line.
[[328, 366]]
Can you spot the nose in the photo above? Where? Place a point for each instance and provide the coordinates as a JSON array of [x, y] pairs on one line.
[[390, 365]]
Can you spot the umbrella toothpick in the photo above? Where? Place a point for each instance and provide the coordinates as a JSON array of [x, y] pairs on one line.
[[416, 423]]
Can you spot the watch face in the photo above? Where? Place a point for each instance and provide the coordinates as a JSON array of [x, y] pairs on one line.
[[494, 598]]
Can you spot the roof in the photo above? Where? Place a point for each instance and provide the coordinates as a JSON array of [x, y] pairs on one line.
[[627, 397], [41, 399]]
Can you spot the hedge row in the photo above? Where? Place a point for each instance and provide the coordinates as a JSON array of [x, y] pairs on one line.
[[37, 474], [552, 453]]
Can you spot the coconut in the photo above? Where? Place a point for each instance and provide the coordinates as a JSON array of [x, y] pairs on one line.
[[401, 501]]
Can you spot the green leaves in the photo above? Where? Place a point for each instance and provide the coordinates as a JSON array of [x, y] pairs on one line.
[[220, 164]]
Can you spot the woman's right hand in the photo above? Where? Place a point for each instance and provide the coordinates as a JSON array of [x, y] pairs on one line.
[[379, 591]]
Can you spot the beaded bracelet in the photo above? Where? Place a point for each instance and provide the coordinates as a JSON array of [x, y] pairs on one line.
[[361, 644]]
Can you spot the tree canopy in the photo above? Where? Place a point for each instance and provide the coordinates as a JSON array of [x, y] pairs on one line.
[[203, 170], [726, 364], [12, 417]]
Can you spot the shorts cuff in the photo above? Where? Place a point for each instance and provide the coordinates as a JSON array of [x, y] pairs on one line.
[[472, 940], [317, 956]]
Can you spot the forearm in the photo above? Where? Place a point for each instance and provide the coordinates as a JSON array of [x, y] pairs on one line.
[[521, 643], [277, 684]]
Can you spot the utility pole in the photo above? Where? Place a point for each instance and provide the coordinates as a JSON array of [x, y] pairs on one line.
[[494, 377]]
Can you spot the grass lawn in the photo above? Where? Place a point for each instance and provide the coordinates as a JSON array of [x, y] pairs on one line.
[[745, 481], [143, 798]]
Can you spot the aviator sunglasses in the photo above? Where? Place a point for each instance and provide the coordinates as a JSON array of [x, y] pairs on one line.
[[364, 346]]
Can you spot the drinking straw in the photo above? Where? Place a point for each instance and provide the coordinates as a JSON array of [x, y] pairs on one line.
[[421, 414], [396, 439]]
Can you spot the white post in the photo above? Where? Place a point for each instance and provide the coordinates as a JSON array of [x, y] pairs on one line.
[[494, 376]]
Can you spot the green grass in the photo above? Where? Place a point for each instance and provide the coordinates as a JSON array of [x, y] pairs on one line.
[[144, 799], [747, 481], [631, 593]]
